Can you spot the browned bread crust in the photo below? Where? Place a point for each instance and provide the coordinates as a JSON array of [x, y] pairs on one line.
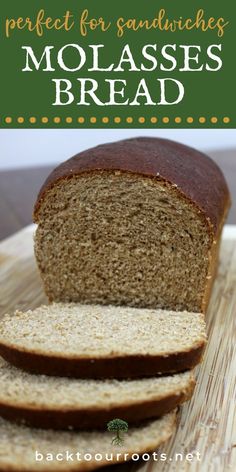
[[88, 419], [129, 366], [194, 174], [43, 410]]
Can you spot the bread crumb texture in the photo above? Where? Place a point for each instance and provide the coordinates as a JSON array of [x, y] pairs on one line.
[[96, 331], [23, 390], [124, 239]]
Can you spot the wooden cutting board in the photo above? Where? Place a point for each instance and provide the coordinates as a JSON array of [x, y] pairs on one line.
[[207, 423]]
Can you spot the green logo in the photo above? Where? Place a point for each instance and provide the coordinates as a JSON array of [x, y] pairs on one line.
[[118, 426]]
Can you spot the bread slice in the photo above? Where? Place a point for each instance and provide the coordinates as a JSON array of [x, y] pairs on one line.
[[18, 446], [62, 403], [135, 222], [95, 341]]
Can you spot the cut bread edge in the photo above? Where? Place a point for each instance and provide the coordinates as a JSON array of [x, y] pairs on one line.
[[129, 366], [60, 417]]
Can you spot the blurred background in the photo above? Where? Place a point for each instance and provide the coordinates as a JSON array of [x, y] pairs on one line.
[[27, 157]]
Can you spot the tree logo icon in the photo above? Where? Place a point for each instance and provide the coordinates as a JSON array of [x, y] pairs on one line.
[[118, 426]]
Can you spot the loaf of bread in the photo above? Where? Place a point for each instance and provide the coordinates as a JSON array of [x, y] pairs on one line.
[[136, 222], [95, 341], [18, 446]]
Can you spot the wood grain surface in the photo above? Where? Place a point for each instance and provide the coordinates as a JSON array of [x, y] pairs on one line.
[[207, 424]]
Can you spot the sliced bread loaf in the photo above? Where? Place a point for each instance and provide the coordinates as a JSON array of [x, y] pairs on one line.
[[95, 341], [136, 222], [19, 446], [62, 403]]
